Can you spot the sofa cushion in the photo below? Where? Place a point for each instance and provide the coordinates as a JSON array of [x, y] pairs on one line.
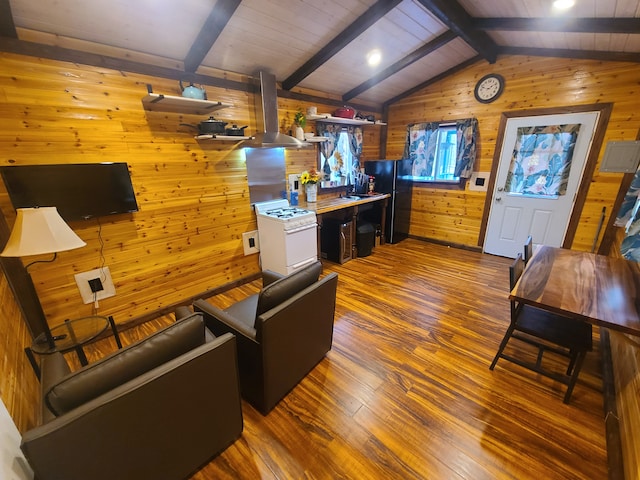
[[99, 377], [286, 287]]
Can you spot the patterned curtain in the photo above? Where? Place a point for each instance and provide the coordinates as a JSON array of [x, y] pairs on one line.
[[332, 132], [420, 148], [354, 134], [541, 160], [628, 217], [467, 133], [421, 144]]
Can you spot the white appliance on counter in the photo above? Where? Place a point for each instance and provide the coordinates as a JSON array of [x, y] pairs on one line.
[[288, 236]]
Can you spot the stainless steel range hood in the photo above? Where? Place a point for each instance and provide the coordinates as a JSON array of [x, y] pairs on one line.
[[268, 135]]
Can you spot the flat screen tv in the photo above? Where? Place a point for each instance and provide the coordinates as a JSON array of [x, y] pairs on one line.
[[78, 190]]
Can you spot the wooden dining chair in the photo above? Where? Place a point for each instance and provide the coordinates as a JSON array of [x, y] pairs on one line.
[[548, 332], [528, 249]]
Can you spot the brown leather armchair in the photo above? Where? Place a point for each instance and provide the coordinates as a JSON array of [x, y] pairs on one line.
[[160, 408], [282, 332]]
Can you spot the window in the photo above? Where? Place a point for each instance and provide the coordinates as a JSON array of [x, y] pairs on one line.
[[441, 152], [339, 157], [445, 159], [433, 154], [338, 169]]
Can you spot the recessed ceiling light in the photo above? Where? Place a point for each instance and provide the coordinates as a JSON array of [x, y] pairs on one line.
[[563, 4], [374, 57]]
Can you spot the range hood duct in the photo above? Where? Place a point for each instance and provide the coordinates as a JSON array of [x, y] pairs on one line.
[[268, 135]]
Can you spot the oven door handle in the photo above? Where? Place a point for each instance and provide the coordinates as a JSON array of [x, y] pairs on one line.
[[300, 229]]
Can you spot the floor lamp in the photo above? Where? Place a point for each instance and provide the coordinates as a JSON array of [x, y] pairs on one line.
[[38, 231]]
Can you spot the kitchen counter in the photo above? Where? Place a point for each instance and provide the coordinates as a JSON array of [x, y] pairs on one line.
[[338, 203], [330, 205]]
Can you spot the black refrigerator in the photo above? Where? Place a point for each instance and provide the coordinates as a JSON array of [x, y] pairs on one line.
[[392, 177]]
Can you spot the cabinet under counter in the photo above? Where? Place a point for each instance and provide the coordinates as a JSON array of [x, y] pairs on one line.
[[347, 208]]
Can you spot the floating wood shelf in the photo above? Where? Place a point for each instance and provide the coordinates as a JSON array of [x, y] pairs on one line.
[[170, 103], [228, 138], [325, 117]]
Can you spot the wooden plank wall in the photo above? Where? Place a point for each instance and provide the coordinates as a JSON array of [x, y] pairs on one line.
[[454, 216], [19, 388], [625, 353], [625, 356], [193, 195]]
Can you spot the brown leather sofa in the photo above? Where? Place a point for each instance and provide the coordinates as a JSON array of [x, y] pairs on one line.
[[157, 409], [282, 332]]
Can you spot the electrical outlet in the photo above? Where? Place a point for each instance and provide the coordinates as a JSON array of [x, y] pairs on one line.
[[250, 242], [95, 284], [294, 182]]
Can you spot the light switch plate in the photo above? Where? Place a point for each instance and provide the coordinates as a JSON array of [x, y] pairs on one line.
[[250, 242], [294, 182], [82, 279], [478, 181]]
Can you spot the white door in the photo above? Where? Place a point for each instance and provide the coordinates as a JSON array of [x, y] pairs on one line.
[[513, 215]]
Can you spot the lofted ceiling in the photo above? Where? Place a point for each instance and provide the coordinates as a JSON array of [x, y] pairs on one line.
[[319, 45]]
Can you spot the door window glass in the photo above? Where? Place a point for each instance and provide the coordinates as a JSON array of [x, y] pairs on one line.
[[541, 160]]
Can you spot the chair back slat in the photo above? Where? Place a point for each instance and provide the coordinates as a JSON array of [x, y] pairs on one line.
[[515, 271], [528, 249]]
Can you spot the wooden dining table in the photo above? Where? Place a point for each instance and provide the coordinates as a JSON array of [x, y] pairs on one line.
[[598, 289]]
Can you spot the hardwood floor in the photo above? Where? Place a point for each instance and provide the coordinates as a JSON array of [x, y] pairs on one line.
[[406, 392]]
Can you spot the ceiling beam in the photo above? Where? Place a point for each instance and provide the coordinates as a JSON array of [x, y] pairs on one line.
[[457, 19], [402, 63], [322, 100], [7, 27], [362, 23], [432, 80], [579, 25], [209, 33], [577, 54]]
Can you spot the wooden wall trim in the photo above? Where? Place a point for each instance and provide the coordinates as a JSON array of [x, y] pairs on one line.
[[168, 309]]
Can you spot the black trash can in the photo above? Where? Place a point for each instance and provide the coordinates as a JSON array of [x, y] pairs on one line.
[[365, 239]]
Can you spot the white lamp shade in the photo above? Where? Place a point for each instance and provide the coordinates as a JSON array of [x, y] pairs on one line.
[[40, 230]]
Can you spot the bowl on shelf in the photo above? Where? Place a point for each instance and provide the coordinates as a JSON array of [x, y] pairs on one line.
[[308, 136]]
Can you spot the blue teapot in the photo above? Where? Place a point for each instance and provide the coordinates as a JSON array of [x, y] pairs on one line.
[[193, 92]]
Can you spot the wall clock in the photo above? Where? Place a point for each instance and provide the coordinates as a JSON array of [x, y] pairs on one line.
[[489, 88]]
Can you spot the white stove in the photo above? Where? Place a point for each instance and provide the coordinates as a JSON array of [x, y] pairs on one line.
[[288, 236], [281, 211]]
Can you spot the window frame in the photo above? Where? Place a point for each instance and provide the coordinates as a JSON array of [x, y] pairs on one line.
[[440, 182]]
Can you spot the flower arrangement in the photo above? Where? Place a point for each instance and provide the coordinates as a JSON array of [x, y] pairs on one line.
[[309, 177], [299, 118]]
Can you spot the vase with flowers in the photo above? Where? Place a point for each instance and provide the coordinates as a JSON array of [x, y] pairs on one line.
[[310, 180], [300, 121]]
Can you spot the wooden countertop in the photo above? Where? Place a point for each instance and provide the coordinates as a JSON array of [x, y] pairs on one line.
[[594, 288], [338, 203]]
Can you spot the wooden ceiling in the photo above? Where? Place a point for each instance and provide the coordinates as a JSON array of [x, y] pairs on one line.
[[318, 45]]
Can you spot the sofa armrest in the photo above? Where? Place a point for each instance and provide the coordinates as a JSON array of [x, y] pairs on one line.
[[182, 311], [295, 336], [220, 322], [269, 276], [249, 351], [53, 368], [165, 423]]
